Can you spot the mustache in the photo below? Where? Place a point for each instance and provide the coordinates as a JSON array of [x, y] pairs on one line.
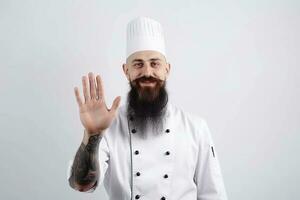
[[151, 78]]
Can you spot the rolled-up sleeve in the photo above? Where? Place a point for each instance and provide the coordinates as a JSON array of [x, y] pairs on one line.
[[208, 175]]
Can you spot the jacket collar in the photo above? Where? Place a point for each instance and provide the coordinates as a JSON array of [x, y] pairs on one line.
[[123, 109], [166, 122]]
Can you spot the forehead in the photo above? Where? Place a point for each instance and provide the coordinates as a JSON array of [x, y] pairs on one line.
[[145, 55]]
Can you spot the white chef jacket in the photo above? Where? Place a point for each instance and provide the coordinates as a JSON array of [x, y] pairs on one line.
[[181, 163]]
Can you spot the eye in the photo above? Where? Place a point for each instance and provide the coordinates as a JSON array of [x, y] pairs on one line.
[[138, 64], [155, 64]]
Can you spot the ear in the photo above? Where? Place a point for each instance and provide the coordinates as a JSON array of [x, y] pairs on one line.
[[168, 68], [125, 70]]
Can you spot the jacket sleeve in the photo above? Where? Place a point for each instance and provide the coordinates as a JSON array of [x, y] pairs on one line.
[[103, 163], [103, 159], [208, 174]]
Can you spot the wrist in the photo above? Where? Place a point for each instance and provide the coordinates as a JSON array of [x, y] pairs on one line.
[[88, 134]]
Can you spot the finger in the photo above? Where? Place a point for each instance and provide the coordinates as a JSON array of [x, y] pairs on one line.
[[77, 95], [100, 90], [115, 104], [97, 92], [92, 85], [85, 88]]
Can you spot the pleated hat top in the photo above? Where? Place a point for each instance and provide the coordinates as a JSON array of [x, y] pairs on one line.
[[144, 33]]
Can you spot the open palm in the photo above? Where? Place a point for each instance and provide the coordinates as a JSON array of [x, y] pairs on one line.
[[94, 114]]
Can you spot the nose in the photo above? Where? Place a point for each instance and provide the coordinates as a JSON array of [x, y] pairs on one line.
[[147, 70]]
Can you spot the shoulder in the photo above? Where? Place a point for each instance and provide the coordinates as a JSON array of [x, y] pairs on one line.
[[190, 118], [122, 110], [121, 114], [192, 121]]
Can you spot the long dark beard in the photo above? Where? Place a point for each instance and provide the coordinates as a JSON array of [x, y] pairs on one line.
[[147, 105]]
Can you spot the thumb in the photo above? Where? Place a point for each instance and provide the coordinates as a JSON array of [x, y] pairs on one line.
[[116, 104]]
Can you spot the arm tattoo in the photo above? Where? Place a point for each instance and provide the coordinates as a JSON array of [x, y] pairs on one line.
[[85, 168]]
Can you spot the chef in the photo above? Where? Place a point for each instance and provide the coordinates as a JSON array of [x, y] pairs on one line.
[[147, 148]]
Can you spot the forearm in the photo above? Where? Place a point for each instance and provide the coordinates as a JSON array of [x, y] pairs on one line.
[[85, 169]]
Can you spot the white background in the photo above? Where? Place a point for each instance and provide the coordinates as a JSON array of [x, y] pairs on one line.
[[235, 63]]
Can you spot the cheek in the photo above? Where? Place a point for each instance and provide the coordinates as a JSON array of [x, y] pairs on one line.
[[133, 75], [161, 74]]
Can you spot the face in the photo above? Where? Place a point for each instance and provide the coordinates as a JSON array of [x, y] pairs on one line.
[[147, 72]]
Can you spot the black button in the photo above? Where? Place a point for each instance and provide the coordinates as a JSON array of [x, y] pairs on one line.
[[133, 131], [163, 198], [167, 153], [138, 173], [167, 130], [130, 118], [136, 152], [137, 196], [166, 176]]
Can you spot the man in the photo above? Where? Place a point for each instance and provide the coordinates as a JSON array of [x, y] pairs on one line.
[[148, 148]]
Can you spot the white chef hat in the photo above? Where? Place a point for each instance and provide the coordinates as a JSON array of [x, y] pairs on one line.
[[144, 33]]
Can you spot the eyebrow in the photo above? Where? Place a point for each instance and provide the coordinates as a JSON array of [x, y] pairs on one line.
[[141, 60]]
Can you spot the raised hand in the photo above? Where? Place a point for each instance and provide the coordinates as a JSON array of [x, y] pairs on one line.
[[94, 114]]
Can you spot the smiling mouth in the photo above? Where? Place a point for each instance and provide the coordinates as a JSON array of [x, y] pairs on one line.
[[147, 83]]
